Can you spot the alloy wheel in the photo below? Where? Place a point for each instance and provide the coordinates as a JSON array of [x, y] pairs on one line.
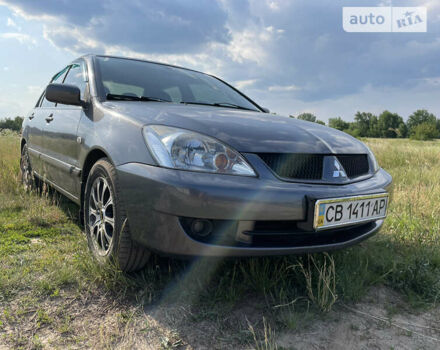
[[101, 215]]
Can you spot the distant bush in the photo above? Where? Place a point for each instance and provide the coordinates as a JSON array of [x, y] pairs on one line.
[[8, 132], [309, 117], [419, 117], [12, 124], [389, 124], [425, 131], [421, 125], [353, 131], [338, 123]]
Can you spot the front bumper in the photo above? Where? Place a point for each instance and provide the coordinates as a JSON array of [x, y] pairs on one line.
[[156, 199]]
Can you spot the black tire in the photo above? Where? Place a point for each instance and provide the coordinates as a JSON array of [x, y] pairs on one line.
[[28, 179], [102, 206]]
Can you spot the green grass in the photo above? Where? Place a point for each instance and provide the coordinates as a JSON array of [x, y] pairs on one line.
[[45, 265]]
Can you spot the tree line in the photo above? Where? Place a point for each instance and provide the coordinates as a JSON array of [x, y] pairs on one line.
[[421, 125], [11, 124]]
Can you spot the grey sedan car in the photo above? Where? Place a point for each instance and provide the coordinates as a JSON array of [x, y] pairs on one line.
[[171, 160]]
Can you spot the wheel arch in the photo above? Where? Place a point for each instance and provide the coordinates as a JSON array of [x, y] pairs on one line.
[[92, 157], [23, 142]]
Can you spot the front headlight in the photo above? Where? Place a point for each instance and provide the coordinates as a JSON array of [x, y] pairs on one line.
[[376, 166], [183, 149]]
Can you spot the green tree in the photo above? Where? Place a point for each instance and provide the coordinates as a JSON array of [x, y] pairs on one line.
[[353, 130], [310, 118], [363, 122], [374, 127], [389, 124], [402, 130], [338, 123], [307, 117], [12, 124], [419, 117], [425, 131]]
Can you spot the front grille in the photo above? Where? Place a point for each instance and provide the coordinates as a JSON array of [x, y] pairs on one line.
[[310, 166], [354, 164], [273, 234], [295, 166], [307, 239]]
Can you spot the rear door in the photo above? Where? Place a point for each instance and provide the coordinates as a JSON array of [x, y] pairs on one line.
[[60, 137], [35, 126], [37, 121]]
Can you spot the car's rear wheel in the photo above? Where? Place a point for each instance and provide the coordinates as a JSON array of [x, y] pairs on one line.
[[106, 223], [29, 181]]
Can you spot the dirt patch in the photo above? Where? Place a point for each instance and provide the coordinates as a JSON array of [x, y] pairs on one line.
[[380, 321]]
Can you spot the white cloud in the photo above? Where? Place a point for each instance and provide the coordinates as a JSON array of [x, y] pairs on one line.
[[20, 37], [435, 81], [286, 53], [5, 68], [73, 39], [252, 43], [11, 106], [18, 11], [431, 5], [10, 23], [34, 89], [276, 5], [284, 88], [273, 5], [241, 84]]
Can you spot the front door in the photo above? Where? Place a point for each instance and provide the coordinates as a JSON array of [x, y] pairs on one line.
[[61, 144]]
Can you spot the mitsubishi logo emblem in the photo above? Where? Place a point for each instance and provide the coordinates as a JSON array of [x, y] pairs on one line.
[[333, 170], [338, 170]]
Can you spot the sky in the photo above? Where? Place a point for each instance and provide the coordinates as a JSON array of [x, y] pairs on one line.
[[291, 56]]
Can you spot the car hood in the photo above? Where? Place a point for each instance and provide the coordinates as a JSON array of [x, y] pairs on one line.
[[245, 131]]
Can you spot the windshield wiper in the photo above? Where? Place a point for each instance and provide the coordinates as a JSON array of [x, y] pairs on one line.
[[157, 99], [218, 104], [227, 104], [134, 98]]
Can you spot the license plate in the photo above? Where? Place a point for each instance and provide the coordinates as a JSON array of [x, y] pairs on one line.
[[349, 210]]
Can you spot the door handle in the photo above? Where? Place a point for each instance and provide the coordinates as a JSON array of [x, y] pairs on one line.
[[32, 116], [49, 118]]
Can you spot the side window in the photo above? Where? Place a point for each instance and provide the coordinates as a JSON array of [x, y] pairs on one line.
[[58, 78], [40, 99], [76, 76], [45, 103]]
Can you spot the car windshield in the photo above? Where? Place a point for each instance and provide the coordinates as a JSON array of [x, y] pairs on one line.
[[125, 79]]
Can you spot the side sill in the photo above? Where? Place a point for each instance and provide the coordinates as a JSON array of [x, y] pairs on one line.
[[68, 168], [59, 189]]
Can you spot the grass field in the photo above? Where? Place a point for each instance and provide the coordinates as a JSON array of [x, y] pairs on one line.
[[52, 294]]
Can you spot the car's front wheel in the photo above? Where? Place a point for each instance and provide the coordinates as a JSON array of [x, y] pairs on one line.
[[106, 223]]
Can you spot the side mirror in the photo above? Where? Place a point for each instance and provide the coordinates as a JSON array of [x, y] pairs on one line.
[[265, 110], [64, 94]]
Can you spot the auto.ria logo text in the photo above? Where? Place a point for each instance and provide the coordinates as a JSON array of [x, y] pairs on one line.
[[384, 19]]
